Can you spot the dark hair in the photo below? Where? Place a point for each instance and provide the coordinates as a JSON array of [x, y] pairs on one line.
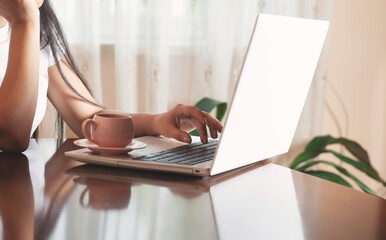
[[51, 34]]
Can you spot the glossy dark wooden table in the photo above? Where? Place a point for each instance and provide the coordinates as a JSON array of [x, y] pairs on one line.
[[44, 195]]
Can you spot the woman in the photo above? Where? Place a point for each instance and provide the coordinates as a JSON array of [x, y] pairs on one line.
[[35, 63]]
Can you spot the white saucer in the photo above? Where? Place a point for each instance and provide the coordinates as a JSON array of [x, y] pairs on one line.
[[109, 150]]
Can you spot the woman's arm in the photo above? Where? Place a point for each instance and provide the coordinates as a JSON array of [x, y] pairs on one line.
[[73, 109], [174, 123], [19, 90]]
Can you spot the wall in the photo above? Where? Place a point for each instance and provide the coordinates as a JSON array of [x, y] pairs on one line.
[[357, 70]]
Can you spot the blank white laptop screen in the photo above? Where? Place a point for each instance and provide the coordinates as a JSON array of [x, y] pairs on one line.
[[272, 88]]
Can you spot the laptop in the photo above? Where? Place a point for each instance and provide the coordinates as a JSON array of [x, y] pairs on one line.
[[264, 112]]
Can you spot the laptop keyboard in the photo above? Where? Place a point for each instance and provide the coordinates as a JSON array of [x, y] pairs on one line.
[[189, 154]]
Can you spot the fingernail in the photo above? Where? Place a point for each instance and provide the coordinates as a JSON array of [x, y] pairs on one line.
[[186, 139]]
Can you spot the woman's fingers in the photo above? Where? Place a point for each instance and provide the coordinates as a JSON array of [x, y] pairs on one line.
[[179, 135], [201, 130], [200, 120], [212, 126], [218, 124]]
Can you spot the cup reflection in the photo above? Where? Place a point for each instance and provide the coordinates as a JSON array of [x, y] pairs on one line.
[[103, 194]]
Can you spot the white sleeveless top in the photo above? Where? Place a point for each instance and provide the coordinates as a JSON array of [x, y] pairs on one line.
[[46, 61]]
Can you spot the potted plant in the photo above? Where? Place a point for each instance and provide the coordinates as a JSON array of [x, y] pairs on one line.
[[311, 156]]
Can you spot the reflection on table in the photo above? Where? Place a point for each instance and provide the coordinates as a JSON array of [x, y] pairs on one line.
[[49, 196]]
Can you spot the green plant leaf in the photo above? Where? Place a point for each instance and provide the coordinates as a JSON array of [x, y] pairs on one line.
[[221, 110], [305, 156], [316, 146], [329, 177], [207, 105], [307, 165], [340, 169], [368, 169], [363, 186], [319, 143], [354, 148], [194, 133]]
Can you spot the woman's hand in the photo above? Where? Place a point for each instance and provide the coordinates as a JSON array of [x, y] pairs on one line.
[[182, 119], [19, 11]]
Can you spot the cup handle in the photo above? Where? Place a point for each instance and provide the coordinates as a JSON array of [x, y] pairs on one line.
[[81, 199], [131, 124], [86, 128]]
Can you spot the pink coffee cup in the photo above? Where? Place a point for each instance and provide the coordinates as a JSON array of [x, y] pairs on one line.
[[109, 129]]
